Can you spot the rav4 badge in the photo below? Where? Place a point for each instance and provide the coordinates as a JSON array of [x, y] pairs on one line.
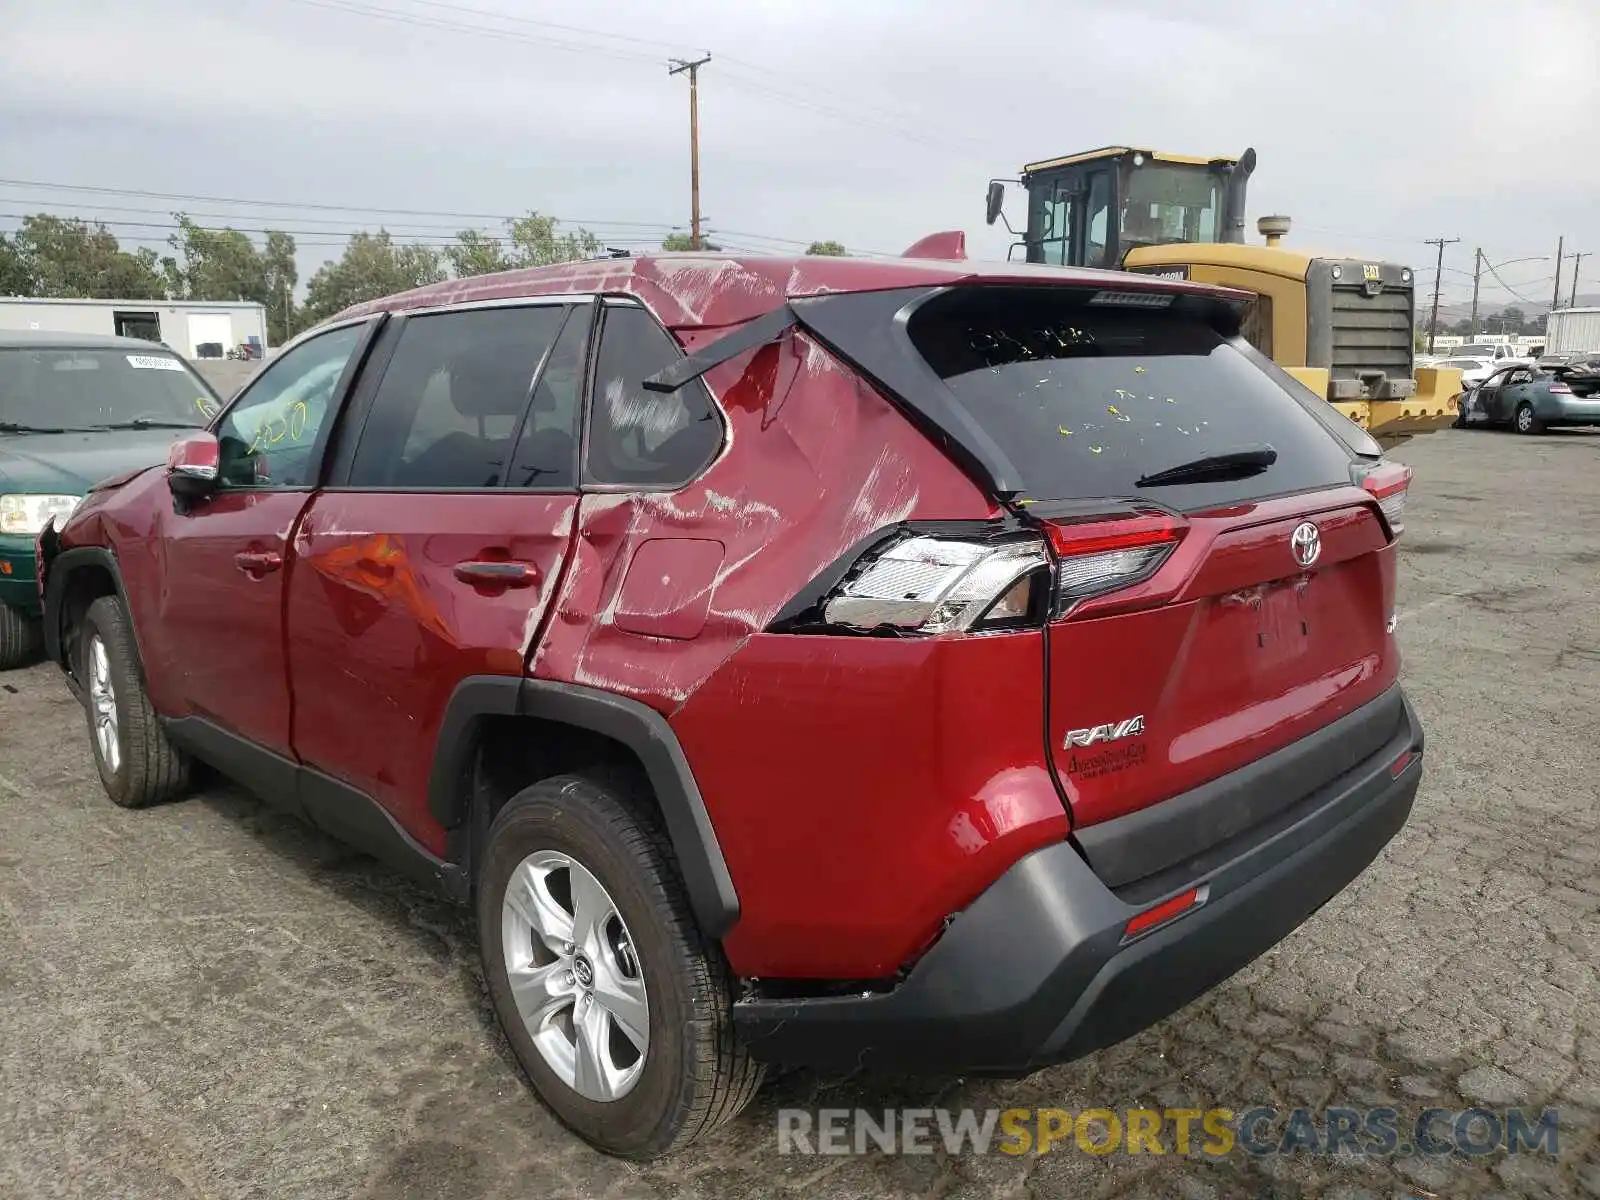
[[1132, 727]]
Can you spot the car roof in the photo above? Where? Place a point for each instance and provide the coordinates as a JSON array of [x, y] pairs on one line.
[[697, 290], [47, 339]]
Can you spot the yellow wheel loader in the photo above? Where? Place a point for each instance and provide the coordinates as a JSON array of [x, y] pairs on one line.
[[1341, 326]]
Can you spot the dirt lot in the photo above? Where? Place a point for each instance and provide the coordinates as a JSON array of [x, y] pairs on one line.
[[210, 1000]]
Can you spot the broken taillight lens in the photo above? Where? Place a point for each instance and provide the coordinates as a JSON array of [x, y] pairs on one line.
[[929, 585], [1095, 557], [1387, 482]]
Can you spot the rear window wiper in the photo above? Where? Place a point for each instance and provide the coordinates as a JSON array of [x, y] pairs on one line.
[[147, 423], [17, 427], [1228, 464]]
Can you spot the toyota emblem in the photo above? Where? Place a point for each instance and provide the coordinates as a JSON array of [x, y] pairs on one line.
[[1305, 543]]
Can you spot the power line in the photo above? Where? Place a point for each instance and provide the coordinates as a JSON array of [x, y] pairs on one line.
[[765, 72], [425, 22], [300, 217], [852, 116], [306, 204]]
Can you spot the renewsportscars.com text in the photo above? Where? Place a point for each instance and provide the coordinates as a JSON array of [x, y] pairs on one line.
[[1260, 1131]]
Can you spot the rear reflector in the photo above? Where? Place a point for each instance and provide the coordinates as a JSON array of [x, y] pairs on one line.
[[1167, 910], [1095, 557], [1398, 766]]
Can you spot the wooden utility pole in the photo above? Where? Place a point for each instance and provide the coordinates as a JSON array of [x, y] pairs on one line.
[[1438, 275], [1561, 245], [1577, 261], [680, 65], [1477, 271]]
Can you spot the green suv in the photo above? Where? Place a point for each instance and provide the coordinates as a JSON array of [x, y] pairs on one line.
[[76, 409]]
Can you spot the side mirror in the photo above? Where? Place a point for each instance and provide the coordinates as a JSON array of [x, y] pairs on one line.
[[996, 199], [192, 465]]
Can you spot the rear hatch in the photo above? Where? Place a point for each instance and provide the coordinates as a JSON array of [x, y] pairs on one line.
[[1223, 577]]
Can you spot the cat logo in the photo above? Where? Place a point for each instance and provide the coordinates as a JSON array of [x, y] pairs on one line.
[[1372, 273]]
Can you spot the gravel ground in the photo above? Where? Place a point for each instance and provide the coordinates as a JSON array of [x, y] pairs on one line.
[[210, 1000]]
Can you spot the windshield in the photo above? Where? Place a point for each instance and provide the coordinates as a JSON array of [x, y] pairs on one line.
[[1167, 202], [90, 389], [1086, 400]]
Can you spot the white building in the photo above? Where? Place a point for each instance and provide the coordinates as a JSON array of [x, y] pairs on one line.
[[192, 328]]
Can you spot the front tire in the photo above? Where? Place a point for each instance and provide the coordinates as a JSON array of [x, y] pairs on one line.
[[19, 638], [1525, 421], [138, 766], [614, 1005]]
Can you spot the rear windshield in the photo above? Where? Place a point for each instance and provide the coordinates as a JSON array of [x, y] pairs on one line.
[[84, 389], [1085, 399]]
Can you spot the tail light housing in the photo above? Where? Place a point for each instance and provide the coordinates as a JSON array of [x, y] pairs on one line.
[[1098, 556], [1388, 483], [1559, 387], [930, 585]]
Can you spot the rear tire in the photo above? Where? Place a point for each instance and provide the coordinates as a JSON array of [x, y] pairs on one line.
[[138, 766], [1525, 421], [562, 851], [20, 638]]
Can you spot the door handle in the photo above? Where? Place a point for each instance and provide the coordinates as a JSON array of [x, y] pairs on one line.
[[488, 573], [257, 563]]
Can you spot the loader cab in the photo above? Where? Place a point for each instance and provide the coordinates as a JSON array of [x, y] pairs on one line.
[[1091, 209]]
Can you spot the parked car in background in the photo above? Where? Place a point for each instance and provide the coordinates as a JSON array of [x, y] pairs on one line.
[[1473, 370], [642, 653], [76, 409], [1499, 353], [1531, 401]]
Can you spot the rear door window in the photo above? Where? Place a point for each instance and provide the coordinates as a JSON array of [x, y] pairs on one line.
[[638, 438], [1086, 398]]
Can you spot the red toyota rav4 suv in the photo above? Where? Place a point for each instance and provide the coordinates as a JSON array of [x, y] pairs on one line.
[[815, 661]]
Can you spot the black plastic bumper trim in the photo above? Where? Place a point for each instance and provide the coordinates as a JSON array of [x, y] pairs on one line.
[[1178, 831], [1034, 971]]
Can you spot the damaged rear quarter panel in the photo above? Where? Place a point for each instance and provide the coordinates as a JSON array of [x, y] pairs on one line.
[[816, 460]]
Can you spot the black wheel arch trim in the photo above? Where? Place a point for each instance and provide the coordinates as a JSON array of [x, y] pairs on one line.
[[638, 726], [59, 568]]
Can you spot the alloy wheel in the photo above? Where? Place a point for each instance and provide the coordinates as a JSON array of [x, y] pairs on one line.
[[103, 705], [575, 976]]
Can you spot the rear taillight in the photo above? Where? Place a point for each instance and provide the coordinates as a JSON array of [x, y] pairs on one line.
[[1387, 482], [929, 585], [1558, 388], [1099, 556]]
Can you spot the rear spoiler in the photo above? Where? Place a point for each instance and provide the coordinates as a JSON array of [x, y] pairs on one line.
[[949, 245]]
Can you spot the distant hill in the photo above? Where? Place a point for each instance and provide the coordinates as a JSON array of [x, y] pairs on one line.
[[1451, 312]]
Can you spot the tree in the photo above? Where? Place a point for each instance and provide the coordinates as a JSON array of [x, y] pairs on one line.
[[371, 266], [684, 241], [535, 242], [828, 249], [65, 258], [1512, 319], [281, 273], [530, 241], [14, 279], [477, 254], [214, 264], [224, 264]]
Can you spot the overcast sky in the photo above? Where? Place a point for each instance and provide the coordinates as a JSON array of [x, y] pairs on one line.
[[1378, 122]]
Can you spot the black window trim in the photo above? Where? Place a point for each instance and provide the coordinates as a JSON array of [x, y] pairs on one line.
[[370, 326], [339, 479], [596, 332]]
